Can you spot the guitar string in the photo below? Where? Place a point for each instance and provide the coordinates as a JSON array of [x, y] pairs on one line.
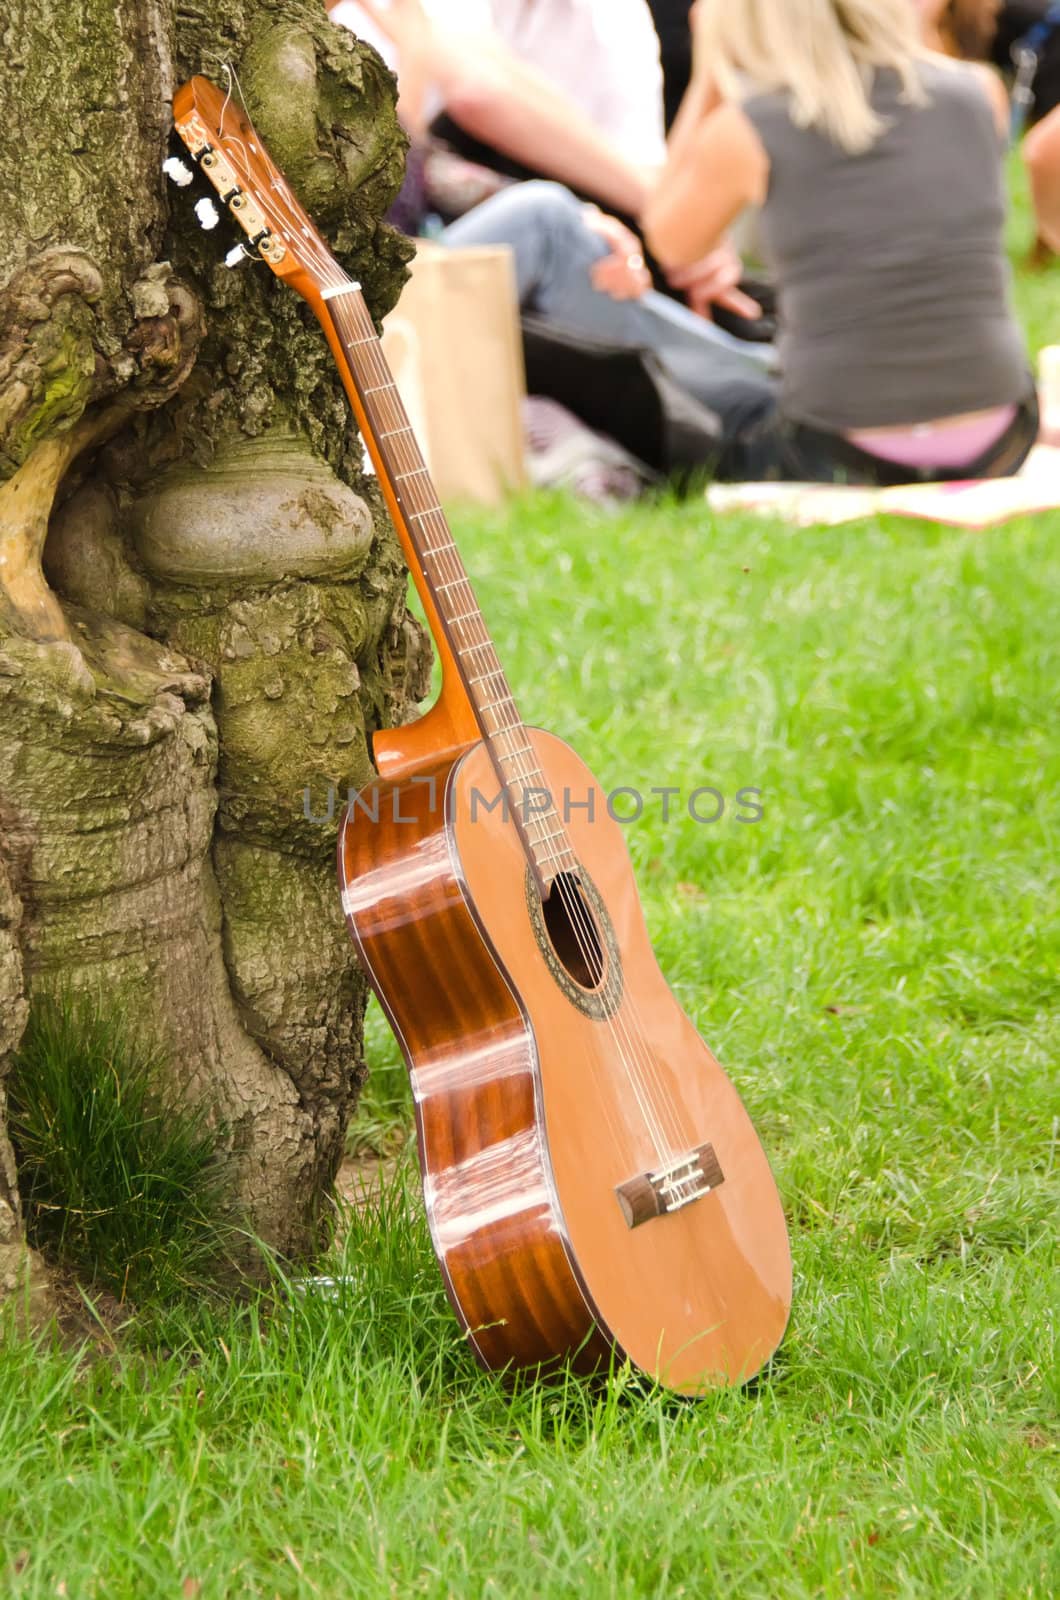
[[634, 1044], [585, 934], [548, 848], [230, 76], [329, 269]]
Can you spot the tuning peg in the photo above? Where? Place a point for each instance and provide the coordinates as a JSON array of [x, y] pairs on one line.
[[207, 213], [237, 254], [177, 171]]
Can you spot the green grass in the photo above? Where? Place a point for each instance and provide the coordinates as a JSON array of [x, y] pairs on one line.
[[876, 963], [116, 1186]]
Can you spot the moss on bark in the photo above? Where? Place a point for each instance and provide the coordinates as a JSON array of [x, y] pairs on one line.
[[232, 623]]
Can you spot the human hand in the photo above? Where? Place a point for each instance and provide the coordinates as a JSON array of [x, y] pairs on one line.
[[714, 280], [621, 274]]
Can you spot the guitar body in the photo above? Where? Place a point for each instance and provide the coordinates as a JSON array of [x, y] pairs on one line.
[[539, 1094]]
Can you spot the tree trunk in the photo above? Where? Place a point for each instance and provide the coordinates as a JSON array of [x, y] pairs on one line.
[[202, 606]]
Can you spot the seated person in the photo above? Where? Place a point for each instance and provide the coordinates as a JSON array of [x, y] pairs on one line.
[[563, 89], [879, 170], [1041, 152], [1023, 39], [581, 270], [964, 29]]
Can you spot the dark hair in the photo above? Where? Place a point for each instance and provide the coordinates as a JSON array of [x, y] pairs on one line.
[[968, 28]]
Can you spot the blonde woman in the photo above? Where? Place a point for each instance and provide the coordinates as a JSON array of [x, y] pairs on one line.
[[878, 168]]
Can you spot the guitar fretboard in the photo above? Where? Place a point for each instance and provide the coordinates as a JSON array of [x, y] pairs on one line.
[[431, 543]]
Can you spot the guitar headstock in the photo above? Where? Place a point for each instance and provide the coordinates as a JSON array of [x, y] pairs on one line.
[[228, 150]]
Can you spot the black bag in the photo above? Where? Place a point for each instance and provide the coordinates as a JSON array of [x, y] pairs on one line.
[[626, 394]]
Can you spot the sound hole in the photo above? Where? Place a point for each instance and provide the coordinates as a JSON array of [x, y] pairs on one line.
[[575, 936], [572, 931]]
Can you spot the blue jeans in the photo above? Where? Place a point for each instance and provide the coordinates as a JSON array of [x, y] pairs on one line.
[[554, 253]]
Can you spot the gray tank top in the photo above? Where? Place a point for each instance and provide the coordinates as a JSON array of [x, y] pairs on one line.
[[893, 282]]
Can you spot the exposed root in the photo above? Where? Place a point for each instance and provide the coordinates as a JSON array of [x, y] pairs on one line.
[[27, 605]]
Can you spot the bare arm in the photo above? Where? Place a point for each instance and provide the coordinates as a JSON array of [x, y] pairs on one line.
[[1041, 151], [498, 99], [717, 172], [700, 99], [514, 109]]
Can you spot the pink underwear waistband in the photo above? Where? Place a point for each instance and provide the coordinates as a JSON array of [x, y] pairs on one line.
[[929, 445]]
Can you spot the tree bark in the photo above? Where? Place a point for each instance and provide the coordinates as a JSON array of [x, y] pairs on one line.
[[21, 1272], [202, 605]]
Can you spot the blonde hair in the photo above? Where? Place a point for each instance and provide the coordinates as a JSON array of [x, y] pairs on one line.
[[823, 53]]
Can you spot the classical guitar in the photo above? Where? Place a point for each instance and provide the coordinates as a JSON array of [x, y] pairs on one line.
[[593, 1184]]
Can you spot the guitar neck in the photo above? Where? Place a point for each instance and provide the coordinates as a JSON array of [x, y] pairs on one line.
[[475, 690], [438, 572]]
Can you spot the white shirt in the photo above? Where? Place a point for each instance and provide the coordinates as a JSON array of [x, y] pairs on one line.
[[602, 54]]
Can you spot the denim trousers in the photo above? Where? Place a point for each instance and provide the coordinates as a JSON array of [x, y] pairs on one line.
[[554, 252]]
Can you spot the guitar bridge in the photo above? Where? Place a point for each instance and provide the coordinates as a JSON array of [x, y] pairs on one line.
[[671, 1188]]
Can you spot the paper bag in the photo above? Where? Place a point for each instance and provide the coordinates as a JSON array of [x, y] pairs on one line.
[[454, 347]]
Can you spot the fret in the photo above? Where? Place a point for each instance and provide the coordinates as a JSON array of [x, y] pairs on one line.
[[398, 465], [553, 858], [471, 649], [498, 716], [551, 855], [480, 703], [386, 406], [551, 848], [554, 834], [562, 860]]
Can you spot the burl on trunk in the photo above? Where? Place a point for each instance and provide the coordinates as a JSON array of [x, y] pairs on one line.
[[202, 607]]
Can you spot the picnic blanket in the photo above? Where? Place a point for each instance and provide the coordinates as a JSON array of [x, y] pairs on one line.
[[976, 503]]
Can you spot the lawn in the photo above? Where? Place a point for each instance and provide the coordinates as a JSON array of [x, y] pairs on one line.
[[876, 964]]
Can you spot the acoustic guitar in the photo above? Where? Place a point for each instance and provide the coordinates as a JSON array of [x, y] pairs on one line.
[[594, 1187]]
